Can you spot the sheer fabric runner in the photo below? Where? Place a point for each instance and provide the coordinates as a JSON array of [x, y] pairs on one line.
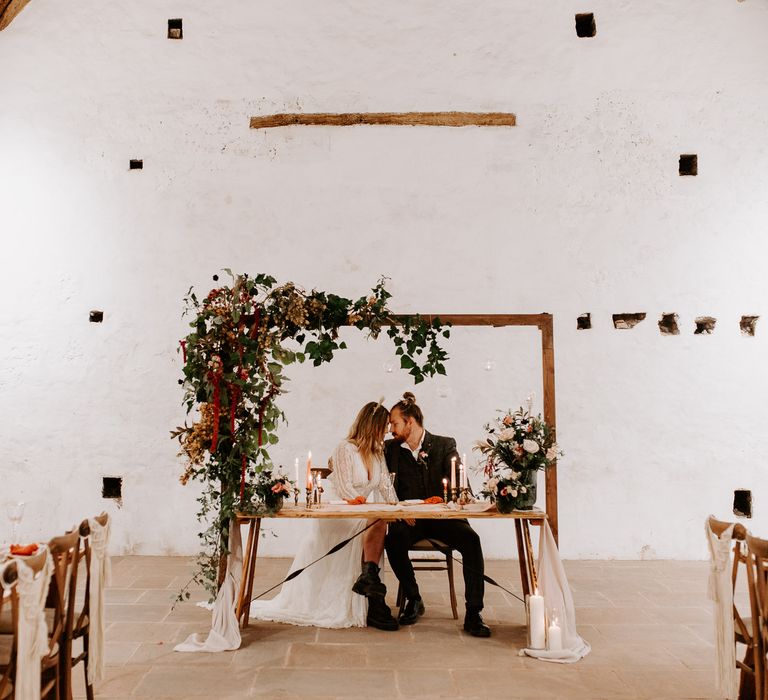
[[225, 631], [553, 586]]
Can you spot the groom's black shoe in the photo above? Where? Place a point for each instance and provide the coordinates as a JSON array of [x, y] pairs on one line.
[[474, 624], [414, 608], [368, 582], [379, 614]]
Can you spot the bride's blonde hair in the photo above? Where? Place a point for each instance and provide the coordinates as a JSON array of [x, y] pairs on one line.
[[368, 430]]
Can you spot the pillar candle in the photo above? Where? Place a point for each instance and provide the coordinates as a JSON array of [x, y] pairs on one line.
[[536, 624], [453, 472], [555, 637]]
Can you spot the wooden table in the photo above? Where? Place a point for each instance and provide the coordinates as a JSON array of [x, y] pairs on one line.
[[371, 511]]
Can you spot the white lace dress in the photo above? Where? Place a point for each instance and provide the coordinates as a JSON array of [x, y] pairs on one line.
[[322, 596]]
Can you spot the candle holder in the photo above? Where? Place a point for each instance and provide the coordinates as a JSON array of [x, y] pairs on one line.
[[309, 497], [317, 489], [464, 497], [445, 494], [296, 492], [453, 494]]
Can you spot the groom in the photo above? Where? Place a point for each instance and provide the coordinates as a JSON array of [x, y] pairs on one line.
[[420, 462]]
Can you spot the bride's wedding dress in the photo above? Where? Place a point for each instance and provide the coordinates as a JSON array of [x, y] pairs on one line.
[[322, 596]]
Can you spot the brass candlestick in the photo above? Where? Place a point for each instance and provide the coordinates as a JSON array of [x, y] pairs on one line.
[[445, 493], [464, 497], [309, 496], [317, 489], [453, 494], [296, 492]]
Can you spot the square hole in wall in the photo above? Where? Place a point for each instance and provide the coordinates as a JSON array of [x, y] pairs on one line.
[[689, 164], [96, 316], [742, 503], [136, 164], [585, 25], [112, 487], [705, 325], [174, 29], [584, 322], [627, 321], [747, 325], [668, 324]]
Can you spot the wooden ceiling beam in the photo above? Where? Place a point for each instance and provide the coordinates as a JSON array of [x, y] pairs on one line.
[[386, 118], [9, 9]]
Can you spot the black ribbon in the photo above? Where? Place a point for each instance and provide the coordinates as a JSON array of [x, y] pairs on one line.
[[344, 543]]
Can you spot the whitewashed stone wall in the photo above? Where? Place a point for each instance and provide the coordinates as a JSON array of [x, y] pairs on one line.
[[577, 209]]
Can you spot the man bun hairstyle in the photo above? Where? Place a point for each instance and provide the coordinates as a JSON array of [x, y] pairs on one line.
[[409, 408]]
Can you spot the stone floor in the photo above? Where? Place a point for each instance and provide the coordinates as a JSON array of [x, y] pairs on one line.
[[649, 625]]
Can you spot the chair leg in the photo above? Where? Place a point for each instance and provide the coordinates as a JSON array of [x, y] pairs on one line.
[[451, 587], [86, 659]]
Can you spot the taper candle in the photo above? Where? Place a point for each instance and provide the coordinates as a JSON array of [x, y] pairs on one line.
[[453, 473]]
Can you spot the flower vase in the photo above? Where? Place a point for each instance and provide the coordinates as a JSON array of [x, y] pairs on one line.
[[526, 501], [505, 504], [273, 503]]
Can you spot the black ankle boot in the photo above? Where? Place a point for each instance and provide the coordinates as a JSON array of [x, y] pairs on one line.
[[379, 614], [474, 624], [369, 583]]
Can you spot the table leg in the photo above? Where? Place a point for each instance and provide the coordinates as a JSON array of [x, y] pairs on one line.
[[522, 559], [529, 552], [243, 577], [251, 568]]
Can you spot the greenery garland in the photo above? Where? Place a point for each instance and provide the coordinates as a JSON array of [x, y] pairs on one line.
[[243, 335]]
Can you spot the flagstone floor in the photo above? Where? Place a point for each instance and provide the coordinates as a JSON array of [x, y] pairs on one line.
[[649, 624]]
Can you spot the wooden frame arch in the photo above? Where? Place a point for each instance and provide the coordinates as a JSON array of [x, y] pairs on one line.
[[544, 323]]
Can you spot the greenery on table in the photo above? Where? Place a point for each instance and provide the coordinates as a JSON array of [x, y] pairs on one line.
[[243, 336]]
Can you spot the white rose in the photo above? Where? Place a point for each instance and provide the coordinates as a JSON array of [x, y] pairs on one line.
[[491, 484], [531, 446], [552, 453], [507, 434], [515, 476], [523, 489], [513, 493]]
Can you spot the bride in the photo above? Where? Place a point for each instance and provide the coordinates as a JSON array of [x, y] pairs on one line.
[[322, 596]]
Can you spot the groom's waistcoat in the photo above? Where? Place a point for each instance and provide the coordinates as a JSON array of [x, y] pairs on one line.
[[423, 477]]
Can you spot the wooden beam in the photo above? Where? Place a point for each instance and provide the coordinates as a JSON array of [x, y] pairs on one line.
[[386, 118], [544, 322], [9, 9], [495, 320]]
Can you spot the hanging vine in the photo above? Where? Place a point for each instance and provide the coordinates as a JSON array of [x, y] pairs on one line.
[[243, 336]]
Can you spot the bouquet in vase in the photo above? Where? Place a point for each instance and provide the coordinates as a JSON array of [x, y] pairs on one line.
[[517, 445]]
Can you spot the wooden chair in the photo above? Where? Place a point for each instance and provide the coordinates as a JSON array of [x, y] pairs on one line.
[[9, 603], [757, 573], [48, 685], [742, 626], [431, 564], [81, 627], [60, 613]]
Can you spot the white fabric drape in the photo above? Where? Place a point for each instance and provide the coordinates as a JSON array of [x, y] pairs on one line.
[[553, 586], [720, 592], [225, 631], [32, 638], [100, 573]]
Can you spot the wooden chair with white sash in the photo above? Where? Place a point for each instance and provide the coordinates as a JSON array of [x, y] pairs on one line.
[[88, 620], [742, 625], [757, 572], [9, 609]]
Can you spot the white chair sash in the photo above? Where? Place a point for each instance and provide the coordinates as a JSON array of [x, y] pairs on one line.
[[720, 592], [100, 573], [32, 637]]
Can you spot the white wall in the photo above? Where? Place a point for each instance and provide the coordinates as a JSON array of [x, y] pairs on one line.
[[579, 208]]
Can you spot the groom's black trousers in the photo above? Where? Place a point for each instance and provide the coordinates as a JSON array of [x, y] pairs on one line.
[[457, 534]]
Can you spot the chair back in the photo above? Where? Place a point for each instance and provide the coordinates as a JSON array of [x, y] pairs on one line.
[[757, 573], [9, 600], [739, 537], [65, 554]]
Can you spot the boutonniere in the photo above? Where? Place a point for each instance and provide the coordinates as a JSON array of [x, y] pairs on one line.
[[423, 457]]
